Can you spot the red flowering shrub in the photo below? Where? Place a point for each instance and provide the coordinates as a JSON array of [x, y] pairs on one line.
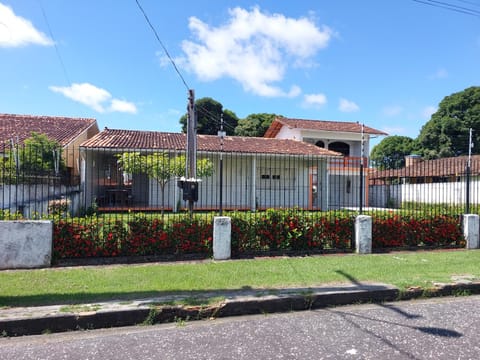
[[146, 236], [74, 239], [192, 236], [290, 230], [273, 230], [402, 231], [242, 240], [330, 233]]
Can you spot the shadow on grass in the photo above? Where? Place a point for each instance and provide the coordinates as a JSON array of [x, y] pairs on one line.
[[168, 296]]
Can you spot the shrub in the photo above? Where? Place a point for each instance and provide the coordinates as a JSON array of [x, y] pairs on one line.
[[403, 231], [269, 231]]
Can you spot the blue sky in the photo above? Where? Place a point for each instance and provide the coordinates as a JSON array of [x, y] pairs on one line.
[[383, 63]]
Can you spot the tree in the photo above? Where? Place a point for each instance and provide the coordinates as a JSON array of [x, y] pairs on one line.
[[209, 113], [254, 125], [447, 132], [38, 155], [161, 166], [390, 152]]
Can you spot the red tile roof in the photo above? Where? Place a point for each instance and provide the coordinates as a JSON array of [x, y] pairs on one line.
[[445, 167], [62, 129], [322, 125], [151, 140]]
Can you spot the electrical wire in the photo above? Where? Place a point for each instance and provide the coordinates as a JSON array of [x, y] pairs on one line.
[[162, 45], [469, 2], [451, 7], [200, 108], [65, 73]]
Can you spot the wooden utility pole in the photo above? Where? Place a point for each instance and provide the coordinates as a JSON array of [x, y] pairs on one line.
[[191, 166]]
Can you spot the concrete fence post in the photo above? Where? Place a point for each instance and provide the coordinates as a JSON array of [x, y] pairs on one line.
[[26, 244], [471, 230], [363, 234], [222, 237]]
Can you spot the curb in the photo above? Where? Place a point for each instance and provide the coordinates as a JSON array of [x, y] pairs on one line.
[[151, 311]]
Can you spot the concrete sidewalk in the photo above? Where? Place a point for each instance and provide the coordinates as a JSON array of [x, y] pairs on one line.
[[17, 321]]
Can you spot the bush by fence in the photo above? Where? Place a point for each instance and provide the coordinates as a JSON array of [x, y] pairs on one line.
[[272, 231]]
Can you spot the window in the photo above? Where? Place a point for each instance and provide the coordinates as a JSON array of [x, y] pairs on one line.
[[340, 147], [320, 143], [276, 178]]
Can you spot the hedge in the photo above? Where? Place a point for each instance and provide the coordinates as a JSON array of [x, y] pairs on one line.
[[269, 231]]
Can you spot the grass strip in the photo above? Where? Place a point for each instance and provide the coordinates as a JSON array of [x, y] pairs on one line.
[[78, 285]]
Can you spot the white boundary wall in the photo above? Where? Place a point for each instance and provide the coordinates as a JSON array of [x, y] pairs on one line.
[[434, 193]]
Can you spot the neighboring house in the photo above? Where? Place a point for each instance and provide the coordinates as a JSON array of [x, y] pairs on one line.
[[68, 132], [426, 181], [33, 196], [258, 172], [346, 138]]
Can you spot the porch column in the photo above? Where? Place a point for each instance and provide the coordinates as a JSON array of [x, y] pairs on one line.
[[322, 186], [253, 199]]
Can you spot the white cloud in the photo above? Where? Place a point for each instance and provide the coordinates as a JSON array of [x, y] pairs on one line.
[[314, 100], [16, 31], [122, 106], [94, 97], [253, 48], [347, 106], [428, 112], [392, 110]]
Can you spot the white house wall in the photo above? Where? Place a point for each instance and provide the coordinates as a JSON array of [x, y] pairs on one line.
[[238, 184], [289, 133]]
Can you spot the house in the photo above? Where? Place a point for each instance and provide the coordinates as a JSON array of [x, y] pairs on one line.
[[68, 132], [351, 139], [257, 172], [426, 181], [32, 195]]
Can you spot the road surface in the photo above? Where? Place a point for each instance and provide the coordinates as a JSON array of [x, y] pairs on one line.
[[442, 328]]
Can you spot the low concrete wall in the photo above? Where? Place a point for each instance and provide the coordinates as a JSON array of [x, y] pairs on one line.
[[25, 244]]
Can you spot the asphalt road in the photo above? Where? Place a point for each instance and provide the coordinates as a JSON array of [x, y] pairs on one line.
[[442, 328]]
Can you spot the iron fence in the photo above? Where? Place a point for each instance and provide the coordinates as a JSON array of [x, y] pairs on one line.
[[111, 184]]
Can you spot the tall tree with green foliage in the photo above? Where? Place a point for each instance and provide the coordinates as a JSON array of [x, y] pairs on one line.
[[447, 132], [161, 166], [390, 152], [209, 113], [38, 155], [254, 125]]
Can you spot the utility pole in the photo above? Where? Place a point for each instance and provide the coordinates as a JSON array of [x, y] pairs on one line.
[[221, 135], [191, 166]]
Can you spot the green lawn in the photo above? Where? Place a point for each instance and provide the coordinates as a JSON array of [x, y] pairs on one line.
[[90, 284]]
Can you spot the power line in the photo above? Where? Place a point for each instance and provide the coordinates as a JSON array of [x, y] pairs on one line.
[[161, 44], [65, 73], [451, 7], [214, 118], [200, 108], [469, 2]]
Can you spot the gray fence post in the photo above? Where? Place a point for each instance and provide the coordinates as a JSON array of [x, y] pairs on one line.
[[471, 230], [222, 237], [26, 244], [363, 234]]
